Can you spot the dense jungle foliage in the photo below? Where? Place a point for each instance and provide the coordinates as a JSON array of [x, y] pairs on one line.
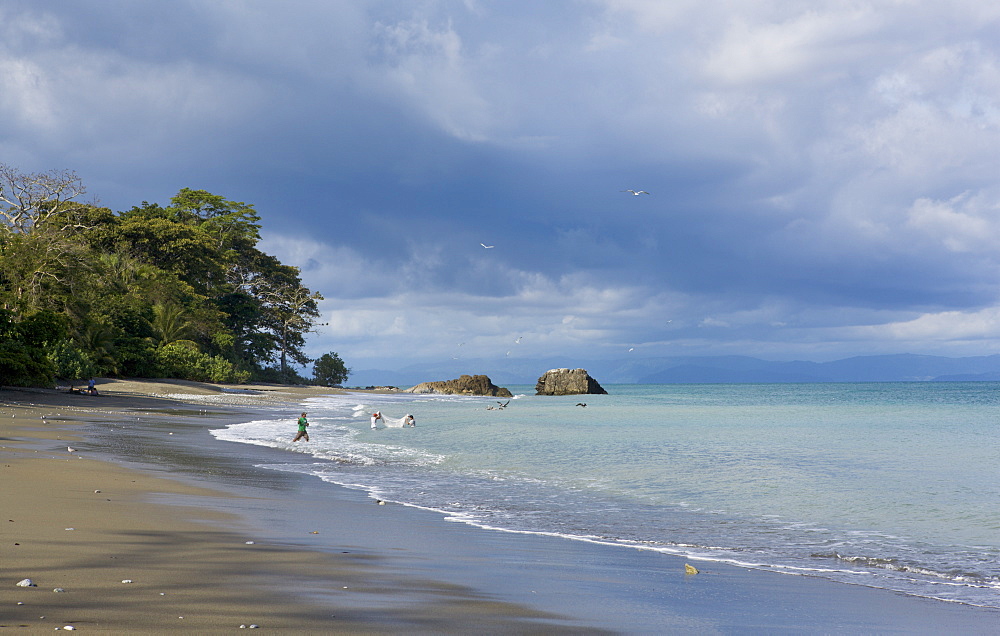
[[179, 291]]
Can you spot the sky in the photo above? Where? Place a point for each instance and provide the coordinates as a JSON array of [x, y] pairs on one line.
[[823, 177]]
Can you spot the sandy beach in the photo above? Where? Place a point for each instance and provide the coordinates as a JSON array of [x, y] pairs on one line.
[[204, 544], [86, 527]]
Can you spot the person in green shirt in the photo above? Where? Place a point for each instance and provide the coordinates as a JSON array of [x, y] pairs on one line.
[[302, 434]]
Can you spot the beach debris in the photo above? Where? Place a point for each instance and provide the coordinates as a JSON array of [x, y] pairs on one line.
[[26, 583], [71, 528], [68, 628], [380, 502], [314, 532], [126, 580], [249, 542], [690, 569], [58, 589], [97, 492]]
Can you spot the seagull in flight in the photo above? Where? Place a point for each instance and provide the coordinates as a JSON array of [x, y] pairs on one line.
[[489, 247], [635, 192]]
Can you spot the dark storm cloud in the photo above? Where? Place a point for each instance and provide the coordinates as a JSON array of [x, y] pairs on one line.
[[822, 178]]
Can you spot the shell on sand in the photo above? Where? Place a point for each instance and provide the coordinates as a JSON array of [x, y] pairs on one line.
[[26, 583]]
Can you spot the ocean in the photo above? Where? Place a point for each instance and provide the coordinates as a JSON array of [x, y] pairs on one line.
[[887, 485]]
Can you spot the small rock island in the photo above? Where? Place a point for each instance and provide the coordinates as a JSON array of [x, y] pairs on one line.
[[464, 385], [568, 382]]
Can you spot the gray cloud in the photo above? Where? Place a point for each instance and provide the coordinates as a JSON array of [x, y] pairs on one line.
[[823, 177]]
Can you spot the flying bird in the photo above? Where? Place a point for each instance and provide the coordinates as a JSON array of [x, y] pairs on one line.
[[635, 192], [489, 247]]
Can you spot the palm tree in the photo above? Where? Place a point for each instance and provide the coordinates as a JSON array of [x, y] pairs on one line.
[[170, 324]]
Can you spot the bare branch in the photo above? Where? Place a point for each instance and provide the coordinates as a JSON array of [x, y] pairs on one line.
[[27, 200]]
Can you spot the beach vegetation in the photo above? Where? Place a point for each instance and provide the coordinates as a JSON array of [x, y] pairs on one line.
[[24, 344], [178, 290], [330, 370], [70, 362], [182, 359], [170, 323]]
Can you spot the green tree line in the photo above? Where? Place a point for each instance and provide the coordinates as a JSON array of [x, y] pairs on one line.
[[174, 291]]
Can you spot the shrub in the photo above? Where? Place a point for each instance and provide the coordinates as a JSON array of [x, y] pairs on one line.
[[183, 360]]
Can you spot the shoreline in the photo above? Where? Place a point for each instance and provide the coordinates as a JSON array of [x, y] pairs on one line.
[[373, 569], [78, 522]]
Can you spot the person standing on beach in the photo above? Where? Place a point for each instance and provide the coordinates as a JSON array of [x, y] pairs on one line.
[[302, 434], [376, 416]]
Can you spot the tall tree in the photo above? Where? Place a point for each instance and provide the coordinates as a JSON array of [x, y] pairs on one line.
[[42, 260], [290, 313], [330, 370], [28, 200]]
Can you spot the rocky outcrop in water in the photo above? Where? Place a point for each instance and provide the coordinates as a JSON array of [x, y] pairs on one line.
[[567, 382], [464, 385]]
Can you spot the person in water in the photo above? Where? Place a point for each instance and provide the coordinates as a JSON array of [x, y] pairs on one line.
[[376, 416], [409, 421], [302, 434]]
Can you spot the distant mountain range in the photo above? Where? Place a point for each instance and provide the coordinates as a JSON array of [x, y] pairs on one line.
[[693, 369]]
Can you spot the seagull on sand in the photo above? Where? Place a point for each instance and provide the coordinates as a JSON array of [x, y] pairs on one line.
[[636, 192], [489, 247]]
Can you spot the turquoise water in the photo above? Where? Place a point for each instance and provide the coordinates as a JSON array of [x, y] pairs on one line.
[[888, 485]]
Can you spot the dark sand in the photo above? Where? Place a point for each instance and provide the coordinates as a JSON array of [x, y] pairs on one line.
[[175, 513]]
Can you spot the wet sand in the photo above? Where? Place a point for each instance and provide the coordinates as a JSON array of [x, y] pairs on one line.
[[86, 526], [174, 517]]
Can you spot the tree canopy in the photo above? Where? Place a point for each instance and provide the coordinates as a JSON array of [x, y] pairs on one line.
[[330, 370], [179, 291]]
